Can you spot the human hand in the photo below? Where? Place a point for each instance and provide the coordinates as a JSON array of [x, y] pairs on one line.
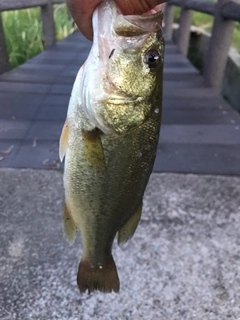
[[82, 11]]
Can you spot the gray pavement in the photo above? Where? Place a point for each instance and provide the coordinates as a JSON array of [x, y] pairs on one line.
[[183, 262]]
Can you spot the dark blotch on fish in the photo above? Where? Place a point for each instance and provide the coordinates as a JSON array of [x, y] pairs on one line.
[[111, 54]]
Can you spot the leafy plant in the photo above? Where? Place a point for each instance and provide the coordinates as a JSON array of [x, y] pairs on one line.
[[23, 32]]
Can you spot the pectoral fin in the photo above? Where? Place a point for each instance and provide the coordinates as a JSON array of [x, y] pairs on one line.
[[127, 231], [70, 227], [93, 149], [63, 141]]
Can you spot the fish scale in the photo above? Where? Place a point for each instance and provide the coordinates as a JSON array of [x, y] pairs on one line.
[[110, 139]]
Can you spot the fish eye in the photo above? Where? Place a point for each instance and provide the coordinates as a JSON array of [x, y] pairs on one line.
[[152, 58]]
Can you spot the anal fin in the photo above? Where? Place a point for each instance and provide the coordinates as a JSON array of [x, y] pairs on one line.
[[63, 143], [69, 225], [127, 231]]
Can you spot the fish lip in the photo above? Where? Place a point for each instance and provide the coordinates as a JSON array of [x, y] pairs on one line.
[[130, 25], [146, 17]]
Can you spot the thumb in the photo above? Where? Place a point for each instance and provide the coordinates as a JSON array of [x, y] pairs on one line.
[[137, 6]]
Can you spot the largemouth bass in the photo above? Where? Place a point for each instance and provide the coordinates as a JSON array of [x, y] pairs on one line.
[[110, 138]]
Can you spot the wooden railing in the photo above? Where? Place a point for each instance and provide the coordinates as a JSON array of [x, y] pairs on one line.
[[226, 13], [48, 26]]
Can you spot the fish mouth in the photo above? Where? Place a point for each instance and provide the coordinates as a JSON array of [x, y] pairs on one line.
[[108, 22], [153, 11], [133, 25]]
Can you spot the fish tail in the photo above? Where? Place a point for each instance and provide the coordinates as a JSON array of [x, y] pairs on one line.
[[103, 278]]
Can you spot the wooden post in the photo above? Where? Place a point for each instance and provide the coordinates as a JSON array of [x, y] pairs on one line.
[[48, 24], [218, 48], [183, 34], [163, 7], [4, 64], [168, 21]]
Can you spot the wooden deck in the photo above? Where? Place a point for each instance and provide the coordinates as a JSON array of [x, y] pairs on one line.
[[200, 132]]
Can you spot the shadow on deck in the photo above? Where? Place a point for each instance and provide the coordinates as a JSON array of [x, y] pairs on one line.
[[200, 132]]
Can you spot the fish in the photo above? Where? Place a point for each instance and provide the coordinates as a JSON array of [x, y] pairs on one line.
[[110, 138]]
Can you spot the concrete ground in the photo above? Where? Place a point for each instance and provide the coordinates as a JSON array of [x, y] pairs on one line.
[[183, 262]]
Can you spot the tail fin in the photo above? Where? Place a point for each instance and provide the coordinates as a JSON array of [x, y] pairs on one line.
[[103, 278]]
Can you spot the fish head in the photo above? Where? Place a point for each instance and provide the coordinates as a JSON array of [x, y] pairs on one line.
[[136, 63], [122, 77]]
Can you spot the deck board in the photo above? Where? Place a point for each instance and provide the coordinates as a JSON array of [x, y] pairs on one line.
[[200, 131]]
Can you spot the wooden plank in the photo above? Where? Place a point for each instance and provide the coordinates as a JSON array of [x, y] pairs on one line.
[[26, 76], [41, 156], [201, 134], [179, 70], [199, 6], [56, 100], [45, 130], [6, 5], [52, 113], [176, 57], [203, 115], [231, 11], [23, 87], [178, 64], [53, 56], [47, 68], [11, 144], [189, 92], [198, 158], [39, 88], [14, 129], [61, 89], [18, 111], [198, 83], [174, 102], [20, 99], [178, 77]]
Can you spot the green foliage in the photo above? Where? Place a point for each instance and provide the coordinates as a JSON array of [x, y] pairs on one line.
[[23, 32], [236, 37], [64, 24], [205, 21]]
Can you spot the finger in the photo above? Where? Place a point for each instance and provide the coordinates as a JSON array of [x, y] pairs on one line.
[[137, 6], [82, 11]]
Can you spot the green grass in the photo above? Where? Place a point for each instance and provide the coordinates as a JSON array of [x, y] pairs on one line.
[[23, 32], [205, 21]]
